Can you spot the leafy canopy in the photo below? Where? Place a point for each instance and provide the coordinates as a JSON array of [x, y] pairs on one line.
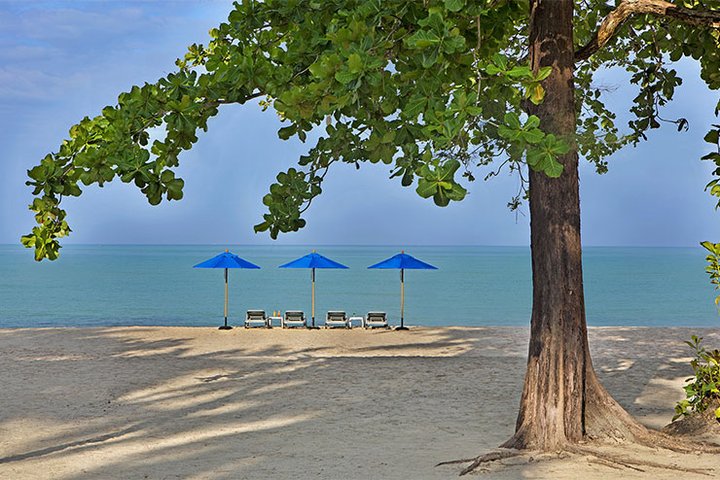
[[432, 89]]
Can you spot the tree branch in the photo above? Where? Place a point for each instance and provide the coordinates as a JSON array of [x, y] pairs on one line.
[[627, 8]]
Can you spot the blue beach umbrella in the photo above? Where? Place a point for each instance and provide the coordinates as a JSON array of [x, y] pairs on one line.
[[226, 260], [403, 261], [313, 260]]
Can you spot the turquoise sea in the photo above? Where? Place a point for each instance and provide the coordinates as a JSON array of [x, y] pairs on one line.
[[102, 285]]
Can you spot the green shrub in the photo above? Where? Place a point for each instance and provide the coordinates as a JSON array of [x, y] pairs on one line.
[[703, 389], [713, 267]]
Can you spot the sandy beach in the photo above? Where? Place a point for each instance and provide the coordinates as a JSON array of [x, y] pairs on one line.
[[197, 403]]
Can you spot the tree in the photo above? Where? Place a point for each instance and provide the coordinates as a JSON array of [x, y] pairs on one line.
[[429, 88]]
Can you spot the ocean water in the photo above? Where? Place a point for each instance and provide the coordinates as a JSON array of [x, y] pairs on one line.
[[108, 285]]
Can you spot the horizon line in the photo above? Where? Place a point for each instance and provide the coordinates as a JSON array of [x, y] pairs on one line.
[[399, 245]]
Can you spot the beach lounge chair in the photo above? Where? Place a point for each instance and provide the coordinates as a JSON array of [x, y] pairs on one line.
[[336, 318], [376, 320], [294, 318], [256, 318]]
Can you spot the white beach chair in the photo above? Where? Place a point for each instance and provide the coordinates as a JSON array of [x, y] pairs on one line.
[[294, 318], [256, 318], [376, 320], [336, 318]]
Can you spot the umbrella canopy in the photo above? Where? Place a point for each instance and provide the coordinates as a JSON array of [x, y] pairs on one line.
[[226, 260], [403, 261], [313, 260]]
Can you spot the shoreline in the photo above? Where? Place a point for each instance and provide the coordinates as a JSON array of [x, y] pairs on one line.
[[195, 402], [239, 326]]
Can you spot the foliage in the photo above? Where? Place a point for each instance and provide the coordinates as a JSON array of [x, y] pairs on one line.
[[713, 138], [713, 268], [434, 90], [703, 389]]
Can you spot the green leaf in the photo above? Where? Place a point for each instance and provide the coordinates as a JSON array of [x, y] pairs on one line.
[[423, 39], [167, 176], [713, 136], [532, 122], [388, 137], [454, 5], [554, 169], [512, 120], [429, 58], [500, 60], [533, 136], [38, 173], [407, 179], [536, 157], [174, 189], [261, 227], [456, 193], [507, 132], [345, 76], [543, 73], [441, 199], [493, 69], [286, 132], [519, 72], [473, 110], [425, 188], [712, 247], [415, 106], [355, 63]]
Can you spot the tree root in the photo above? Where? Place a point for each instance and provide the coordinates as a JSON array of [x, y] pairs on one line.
[[631, 463], [656, 439], [455, 462], [605, 463], [593, 455], [490, 457], [605, 423], [501, 454]]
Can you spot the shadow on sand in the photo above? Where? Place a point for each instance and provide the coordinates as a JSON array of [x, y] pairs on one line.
[[104, 403]]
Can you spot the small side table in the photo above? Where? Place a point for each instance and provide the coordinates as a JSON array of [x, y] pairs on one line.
[[277, 319], [356, 319]]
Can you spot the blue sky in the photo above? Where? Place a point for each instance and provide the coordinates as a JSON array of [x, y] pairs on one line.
[[60, 61]]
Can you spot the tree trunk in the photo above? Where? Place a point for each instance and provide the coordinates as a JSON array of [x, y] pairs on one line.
[[562, 401]]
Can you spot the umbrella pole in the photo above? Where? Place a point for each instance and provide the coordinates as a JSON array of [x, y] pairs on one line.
[[402, 300], [226, 326], [313, 298]]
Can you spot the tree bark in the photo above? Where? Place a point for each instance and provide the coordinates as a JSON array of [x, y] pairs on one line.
[[627, 8], [562, 402], [560, 376]]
